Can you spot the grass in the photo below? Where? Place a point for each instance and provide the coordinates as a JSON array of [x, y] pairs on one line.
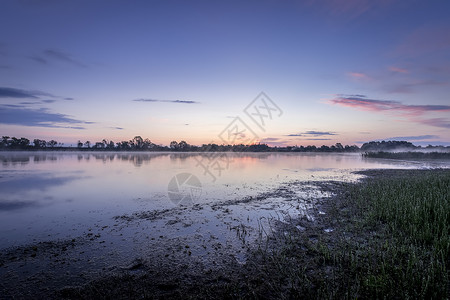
[[408, 155], [391, 240], [409, 216]]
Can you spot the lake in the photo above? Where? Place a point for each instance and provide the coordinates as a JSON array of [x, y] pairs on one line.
[[73, 217], [59, 195]]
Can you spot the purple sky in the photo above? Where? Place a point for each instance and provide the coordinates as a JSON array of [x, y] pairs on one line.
[[344, 71]]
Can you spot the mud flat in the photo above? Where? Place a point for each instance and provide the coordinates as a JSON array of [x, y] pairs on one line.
[[303, 239]]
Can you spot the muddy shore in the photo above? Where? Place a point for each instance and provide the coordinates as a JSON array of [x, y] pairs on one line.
[[238, 256]]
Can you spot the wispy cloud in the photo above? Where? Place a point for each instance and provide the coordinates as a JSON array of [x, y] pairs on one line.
[[29, 103], [312, 133], [13, 93], [274, 142], [269, 139], [388, 105], [57, 55], [167, 101], [437, 122], [413, 138], [412, 112], [37, 117], [39, 59], [6, 92], [398, 70], [359, 75]]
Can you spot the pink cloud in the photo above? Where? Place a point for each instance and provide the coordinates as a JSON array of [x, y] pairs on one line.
[[398, 70], [437, 122], [358, 75], [414, 113]]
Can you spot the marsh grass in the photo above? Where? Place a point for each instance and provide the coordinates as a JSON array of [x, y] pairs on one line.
[[391, 241], [408, 214]]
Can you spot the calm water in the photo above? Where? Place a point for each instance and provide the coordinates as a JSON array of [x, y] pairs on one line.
[[58, 195]]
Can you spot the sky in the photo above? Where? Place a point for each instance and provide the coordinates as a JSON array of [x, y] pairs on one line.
[[312, 72]]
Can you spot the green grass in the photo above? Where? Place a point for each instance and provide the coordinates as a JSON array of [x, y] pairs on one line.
[[391, 241], [410, 214]]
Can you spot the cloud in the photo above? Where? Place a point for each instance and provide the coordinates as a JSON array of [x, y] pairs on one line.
[[398, 70], [312, 133], [412, 112], [117, 128], [388, 105], [274, 142], [437, 122], [168, 101], [352, 95], [268, 140], [412, 138], [56, 55], [29, 103], [358, 75], [39, 59], [6, 92], [318, 139], [319, 133], [62, 56], [37, 117], [68, 98]]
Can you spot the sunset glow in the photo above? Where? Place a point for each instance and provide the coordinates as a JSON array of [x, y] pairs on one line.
[[338, 71]]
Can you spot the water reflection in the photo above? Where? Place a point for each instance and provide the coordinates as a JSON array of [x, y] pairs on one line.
[[56, 190], [20, 190]]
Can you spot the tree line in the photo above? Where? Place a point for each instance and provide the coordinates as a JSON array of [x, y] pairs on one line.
[[140, 144]]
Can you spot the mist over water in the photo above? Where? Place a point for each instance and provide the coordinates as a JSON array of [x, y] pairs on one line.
[[59, 195]]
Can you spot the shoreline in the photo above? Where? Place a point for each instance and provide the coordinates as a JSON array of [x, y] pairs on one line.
[[311, 241]]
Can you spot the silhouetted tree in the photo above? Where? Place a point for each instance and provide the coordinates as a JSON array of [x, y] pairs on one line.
[[174, 145], [52, 143]]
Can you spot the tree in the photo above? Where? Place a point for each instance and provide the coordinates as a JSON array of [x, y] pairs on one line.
[[52, 143], [5, 142], [87, 144], [79, 144], [173, 145], [39, 143], [183, 146], [138, 142]]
